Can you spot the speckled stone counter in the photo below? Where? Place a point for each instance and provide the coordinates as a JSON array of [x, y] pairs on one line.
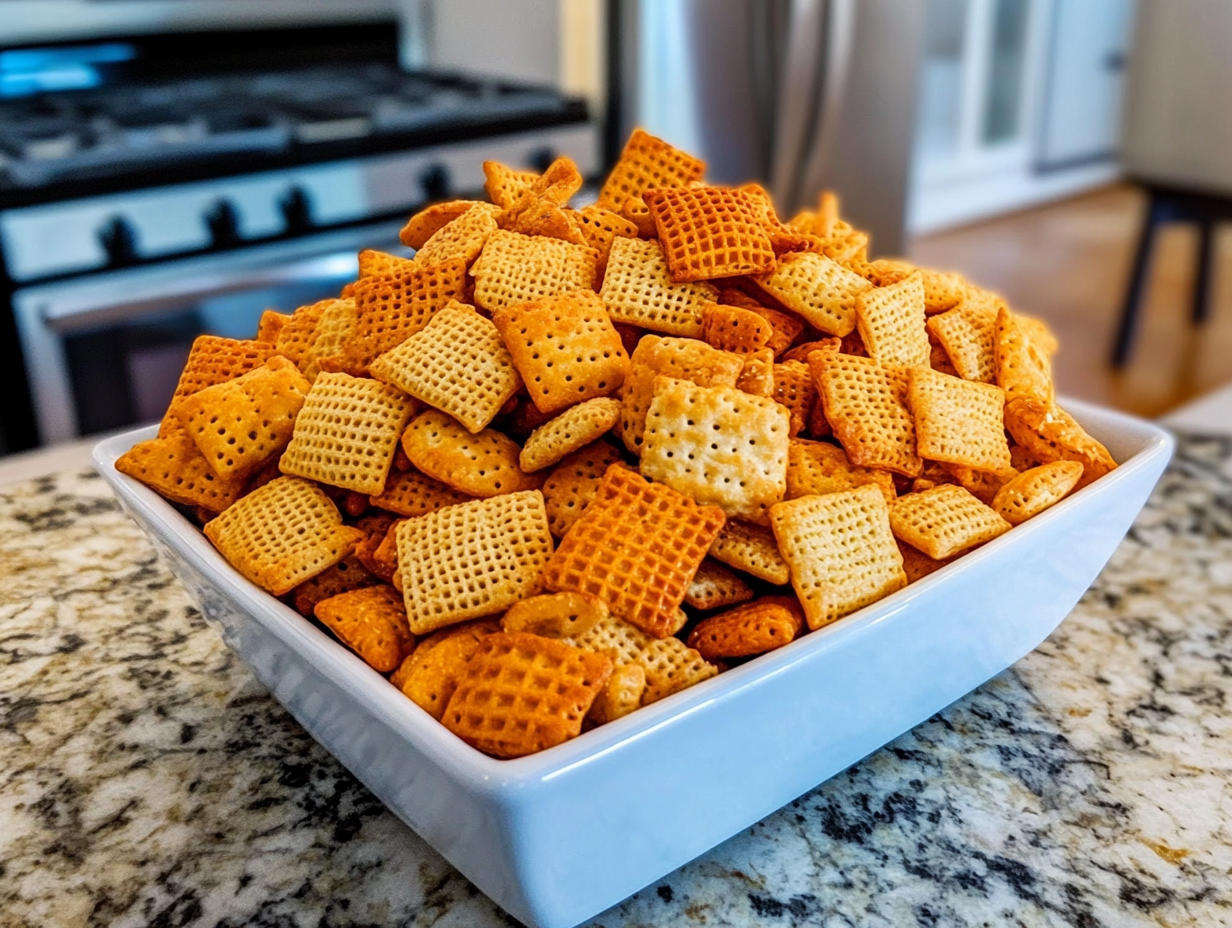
[[147, 779]]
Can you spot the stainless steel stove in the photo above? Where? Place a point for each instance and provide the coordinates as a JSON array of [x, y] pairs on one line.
[[150, 192]]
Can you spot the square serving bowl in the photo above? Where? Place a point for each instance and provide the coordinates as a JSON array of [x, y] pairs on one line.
[[559, 836]]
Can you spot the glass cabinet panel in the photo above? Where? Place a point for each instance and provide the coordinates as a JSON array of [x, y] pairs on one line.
[[1006, 71]]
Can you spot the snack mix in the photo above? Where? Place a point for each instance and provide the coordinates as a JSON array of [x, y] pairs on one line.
[[564, 463]]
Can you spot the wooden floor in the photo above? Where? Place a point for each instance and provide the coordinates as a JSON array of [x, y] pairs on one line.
[[1068, 263]]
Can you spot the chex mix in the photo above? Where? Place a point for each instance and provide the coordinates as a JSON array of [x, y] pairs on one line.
[[566, 462]]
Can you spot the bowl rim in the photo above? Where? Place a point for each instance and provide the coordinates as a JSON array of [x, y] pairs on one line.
[[491, 775]]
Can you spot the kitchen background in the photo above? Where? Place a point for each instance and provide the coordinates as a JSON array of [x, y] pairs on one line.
[[172, 167]]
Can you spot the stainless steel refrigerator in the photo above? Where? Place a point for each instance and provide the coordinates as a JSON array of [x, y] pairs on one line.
[[800, 94]]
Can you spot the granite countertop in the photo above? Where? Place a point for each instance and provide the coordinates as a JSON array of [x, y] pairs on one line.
[[147, 779]]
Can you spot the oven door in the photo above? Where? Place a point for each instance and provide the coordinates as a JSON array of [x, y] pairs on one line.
[[104, 351]]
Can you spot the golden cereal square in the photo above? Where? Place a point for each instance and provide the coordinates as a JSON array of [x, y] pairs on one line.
[[719, 445], [522, 693], [457, 363], [959, 421], [282, 534], [944, 521], [730, 328], [636, 547], [347, 432], [601, 227], [515, 268], [710, 232], [431, 219], [565, 348], [672, 666], [817, 288], [473, 559], [413, 493], [213, 360], [865, 403], [333, 331], [572, 484], [714, 586], [371, 622], [638, 290], [751, 548], [968, 334], [841, 551], [815, 468], [647, 162], [463, 237], [1023, 365], [172, 466], [891, 323]]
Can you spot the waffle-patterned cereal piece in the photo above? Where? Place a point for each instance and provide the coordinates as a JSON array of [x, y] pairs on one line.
[[565, 348], [620, 640], [785, 327], [841, 551], [757, 373], [795, 389], [348, 574], [457, 363], [672, 666], [720, 445], [750, 548], [346, 433], [271, 325], [374, 263], [709, 232], [214, 360], [392, 307], [982, 484], [300, 331], [172, 466], [555, 615], [730, 328], [463, 237], [638, 290], [282, 534], [240, 425], [413, 493], [890, 320], [473, 559], [505, 186], [600, 227], [333, 331], [714, 586], [636, 547], [647, 162], [918, 565], [1048, 433], [760, 626], [1023, 366], [944, 521], [959, 421], [372, 623], [1033, 491], [429, 220], [967, 334], [515, 268], [943, 290], [815, 468], [680, 358], [429, 676], [573, 482], [481, 465], [817, 288], [621, 695], [573, 429], [866, 404], [524, 693]]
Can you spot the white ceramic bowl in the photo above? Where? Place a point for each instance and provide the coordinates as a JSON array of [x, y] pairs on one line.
[[559, 836]]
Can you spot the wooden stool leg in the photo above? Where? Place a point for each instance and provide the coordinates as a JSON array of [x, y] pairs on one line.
[[1132, 307], [1201, 310]]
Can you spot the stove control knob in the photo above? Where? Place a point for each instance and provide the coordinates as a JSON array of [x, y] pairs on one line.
[[224, 224], [541, 158], [119, 241], [296, 209], [434, 181]]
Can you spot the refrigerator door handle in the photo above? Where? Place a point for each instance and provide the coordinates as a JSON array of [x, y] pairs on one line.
[[840, 32], [798, 97]]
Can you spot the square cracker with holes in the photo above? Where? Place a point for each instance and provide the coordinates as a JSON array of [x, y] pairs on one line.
[[457, 363], [515, 268], [841, 551], [636, 547], [565, 348], [720, 445], [283, 534], [817, 288], [346, 433], [473, 559], [638, 290], [958, 421]]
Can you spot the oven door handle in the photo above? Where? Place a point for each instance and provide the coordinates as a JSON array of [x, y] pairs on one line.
[[80, 305]]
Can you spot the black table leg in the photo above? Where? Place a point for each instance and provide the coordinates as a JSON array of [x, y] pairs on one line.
[[1132, 307]]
